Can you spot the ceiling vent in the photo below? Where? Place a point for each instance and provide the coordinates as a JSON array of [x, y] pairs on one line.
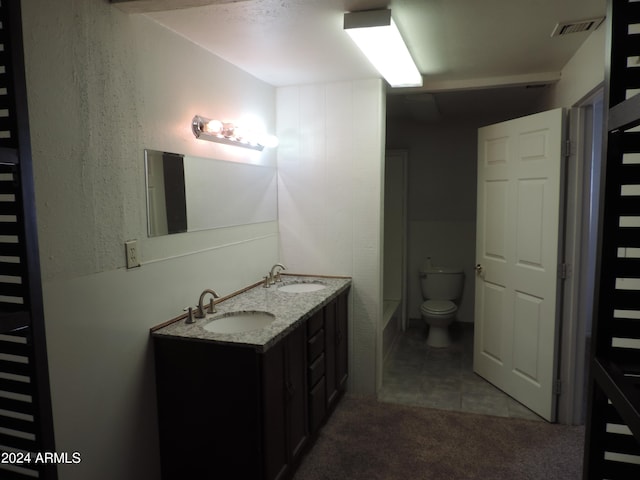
[[565, 28]]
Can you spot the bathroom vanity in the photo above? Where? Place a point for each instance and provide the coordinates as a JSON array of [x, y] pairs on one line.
[[248, 404]]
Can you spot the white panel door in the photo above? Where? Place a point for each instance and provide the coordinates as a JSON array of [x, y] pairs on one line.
[[516, 328]]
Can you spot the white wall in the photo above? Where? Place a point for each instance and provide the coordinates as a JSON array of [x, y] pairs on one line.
[[442, 206], [330, 168], [103, 86], [582, 73]]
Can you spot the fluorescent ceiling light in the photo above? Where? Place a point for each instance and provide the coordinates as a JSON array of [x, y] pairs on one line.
[[376, 34]]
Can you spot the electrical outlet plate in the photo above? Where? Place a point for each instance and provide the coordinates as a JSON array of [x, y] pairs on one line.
[[131, 253]]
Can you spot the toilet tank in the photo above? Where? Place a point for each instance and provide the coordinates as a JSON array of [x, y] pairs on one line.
[[441, 283]]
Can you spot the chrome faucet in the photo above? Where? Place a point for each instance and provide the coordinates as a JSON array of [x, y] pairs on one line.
[[200, 313], [274, 276]]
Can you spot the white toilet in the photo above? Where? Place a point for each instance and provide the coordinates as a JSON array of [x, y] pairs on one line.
[[441, 287]]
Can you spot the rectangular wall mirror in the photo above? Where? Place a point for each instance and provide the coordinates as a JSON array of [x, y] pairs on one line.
[[187, 194]]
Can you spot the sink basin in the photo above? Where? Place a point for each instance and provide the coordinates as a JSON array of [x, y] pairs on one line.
[[238, 322], [301, 287]]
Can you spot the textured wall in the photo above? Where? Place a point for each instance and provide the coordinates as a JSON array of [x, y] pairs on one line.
[[330, 167], [81, 97], [104, 85]]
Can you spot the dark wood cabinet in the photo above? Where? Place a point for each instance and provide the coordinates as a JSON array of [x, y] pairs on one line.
[[330, 331], [337, 366], [316, 359], [286, 429], [230, 411], [342, 342], [328, 362], [210, 418]]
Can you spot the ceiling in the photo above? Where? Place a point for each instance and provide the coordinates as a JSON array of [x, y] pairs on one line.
[[457, 44]]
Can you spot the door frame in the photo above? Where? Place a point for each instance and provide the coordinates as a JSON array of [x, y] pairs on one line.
[[395, 305], [580, 225]]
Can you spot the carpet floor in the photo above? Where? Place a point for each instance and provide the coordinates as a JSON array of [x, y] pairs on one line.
[[367, 439]]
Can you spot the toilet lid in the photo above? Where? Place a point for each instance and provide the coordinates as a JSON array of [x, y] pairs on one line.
[[439, 307]]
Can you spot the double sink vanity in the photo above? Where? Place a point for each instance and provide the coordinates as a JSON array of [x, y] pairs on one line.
[[243, 392]]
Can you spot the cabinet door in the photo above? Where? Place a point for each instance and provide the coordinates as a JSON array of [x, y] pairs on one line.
[[330, 353], [317, 405], [275, 412], [208, 410], [342, 341], [296, 391], [285, 419]]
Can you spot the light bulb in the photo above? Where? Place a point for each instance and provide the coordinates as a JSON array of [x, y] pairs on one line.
[[214, 127], [226, 130]]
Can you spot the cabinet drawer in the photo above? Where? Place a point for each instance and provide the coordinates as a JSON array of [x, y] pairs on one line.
[[317, 406], [315, 345], [316, 370], [315, 323]]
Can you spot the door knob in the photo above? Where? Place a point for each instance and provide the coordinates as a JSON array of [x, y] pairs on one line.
[[478, 268]]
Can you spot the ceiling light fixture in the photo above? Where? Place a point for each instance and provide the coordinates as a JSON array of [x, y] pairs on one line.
[[231, 134], [377, 35]]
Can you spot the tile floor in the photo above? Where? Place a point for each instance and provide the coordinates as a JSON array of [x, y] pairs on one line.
[[443, 378]]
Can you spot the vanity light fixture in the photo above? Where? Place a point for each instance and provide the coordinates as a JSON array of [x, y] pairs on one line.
[[377, 35], [230, 134]]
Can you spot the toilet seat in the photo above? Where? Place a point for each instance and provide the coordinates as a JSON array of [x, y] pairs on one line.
[[438, 307]]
